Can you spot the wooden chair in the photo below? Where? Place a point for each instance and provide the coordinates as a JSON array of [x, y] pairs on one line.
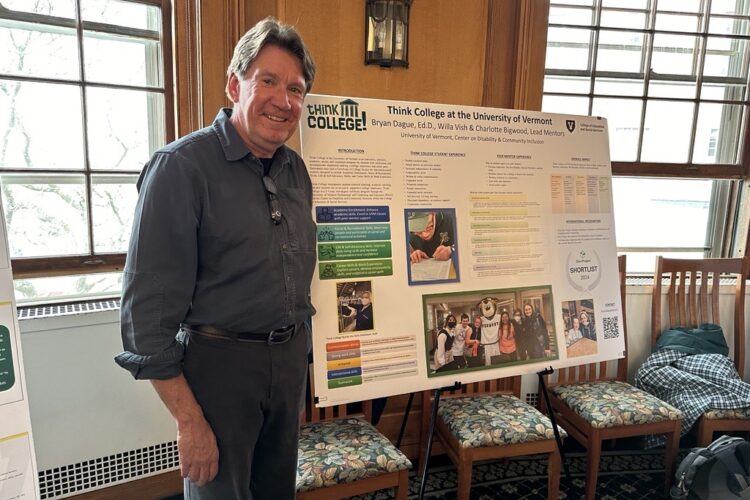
[[594, 407], [342, 455], [693, 299], [487, 420]]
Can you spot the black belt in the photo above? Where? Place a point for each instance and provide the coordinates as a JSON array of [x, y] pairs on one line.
[[278, 336]]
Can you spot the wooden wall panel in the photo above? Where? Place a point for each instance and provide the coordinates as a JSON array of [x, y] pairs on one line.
[[446, 60]]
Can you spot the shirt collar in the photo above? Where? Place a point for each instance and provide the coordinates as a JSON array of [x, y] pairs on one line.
[[231, 142]]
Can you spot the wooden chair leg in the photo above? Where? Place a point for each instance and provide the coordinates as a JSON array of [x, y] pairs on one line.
[[464, 479], [593, 454], [705, 433], [402, 489], [670, 453], [553, 475]]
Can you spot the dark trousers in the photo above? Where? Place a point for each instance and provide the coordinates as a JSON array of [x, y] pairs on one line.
[[251, 395]]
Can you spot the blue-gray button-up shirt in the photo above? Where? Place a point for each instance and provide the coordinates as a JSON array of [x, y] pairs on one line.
[[204, 249]]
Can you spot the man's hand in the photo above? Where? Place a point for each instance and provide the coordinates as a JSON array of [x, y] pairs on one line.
[[442, 253], [199, 455], [418, 256], [196, 442]]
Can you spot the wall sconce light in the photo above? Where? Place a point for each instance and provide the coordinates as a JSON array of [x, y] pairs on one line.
[[387, 32]]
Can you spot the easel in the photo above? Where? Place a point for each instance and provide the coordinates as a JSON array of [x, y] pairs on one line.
[[433, 419]]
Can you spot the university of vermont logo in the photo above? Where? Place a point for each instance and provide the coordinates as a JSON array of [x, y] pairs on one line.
[[345, 115], [570, 125]]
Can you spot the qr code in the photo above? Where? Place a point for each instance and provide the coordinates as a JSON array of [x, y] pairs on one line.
[[611, 331]]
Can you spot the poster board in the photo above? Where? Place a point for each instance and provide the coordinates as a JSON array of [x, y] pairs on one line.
[[18, 471], [426, 210]]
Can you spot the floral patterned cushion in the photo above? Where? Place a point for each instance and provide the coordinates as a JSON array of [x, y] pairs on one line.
[[494, 420], [343, 451], [739, 414], [614, 403]]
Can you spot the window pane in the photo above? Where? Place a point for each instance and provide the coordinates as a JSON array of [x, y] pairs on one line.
[[620, 19], [620, 51], [58, 8], [645, 262], [613, 86], [125, 127], [729, 7], [727, 25], [36, 50], [624, 123], [679, 5], [43, 126], [569, 15], [677, 22], [45, 215], [723, 92], [724, 57], [666, 135], [661, 212], [626, 4], [579, 85], [113, 204], [568, 48], [60, 288], [130, 14], [572, 2], [673, 54], [138, 59], [666, 88], [717, 133], [567, 105]]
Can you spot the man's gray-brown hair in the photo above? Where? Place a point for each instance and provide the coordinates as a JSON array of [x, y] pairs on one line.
[[271, 31]]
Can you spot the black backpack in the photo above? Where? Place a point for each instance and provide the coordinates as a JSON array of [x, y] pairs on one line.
[[720, 471]]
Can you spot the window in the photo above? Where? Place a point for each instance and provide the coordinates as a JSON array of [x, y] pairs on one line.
[[85, 89], [671, 77]]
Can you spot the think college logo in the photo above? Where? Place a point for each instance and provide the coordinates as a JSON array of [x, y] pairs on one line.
[[345, 115]]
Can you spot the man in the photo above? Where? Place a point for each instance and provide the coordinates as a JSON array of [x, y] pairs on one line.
[[362, 311], [431, 236], [223, 251]]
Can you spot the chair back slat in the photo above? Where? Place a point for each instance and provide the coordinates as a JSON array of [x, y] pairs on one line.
[[693, 295]]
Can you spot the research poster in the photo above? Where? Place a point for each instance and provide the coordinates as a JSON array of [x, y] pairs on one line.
[[18, 476], [456, 244]]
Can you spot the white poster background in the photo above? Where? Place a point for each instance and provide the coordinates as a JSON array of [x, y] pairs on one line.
[[531, 202], [18, 470]]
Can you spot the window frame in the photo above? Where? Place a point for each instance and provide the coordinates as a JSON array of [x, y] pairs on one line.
[[93, 262], [738, 171]]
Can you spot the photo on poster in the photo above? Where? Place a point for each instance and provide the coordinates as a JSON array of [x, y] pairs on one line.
[[580, 332], [432, 249], [355, 304], [487, 329]]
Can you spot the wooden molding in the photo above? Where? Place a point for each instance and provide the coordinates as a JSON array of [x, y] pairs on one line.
[[187, 65], [531, 49]]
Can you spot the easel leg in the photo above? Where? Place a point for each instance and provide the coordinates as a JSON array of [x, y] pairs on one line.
[[430, 433], [404, 420], [551, 413]]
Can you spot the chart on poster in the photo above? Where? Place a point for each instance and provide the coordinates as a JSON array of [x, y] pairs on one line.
[[456, 244], [18, 477]]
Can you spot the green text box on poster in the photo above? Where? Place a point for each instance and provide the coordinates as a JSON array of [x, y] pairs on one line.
[[354, 232], [344, 382], [355, 269], [7, 376], [349, 251]]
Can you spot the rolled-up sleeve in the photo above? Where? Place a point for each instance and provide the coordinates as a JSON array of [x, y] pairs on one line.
[[160, 272]]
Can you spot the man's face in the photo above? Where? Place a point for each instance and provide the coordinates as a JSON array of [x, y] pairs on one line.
[[477, 321], [429, 230], [465, 322], [267, 100]]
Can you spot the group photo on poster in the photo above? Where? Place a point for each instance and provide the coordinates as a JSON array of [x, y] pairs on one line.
[[488, 329]]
